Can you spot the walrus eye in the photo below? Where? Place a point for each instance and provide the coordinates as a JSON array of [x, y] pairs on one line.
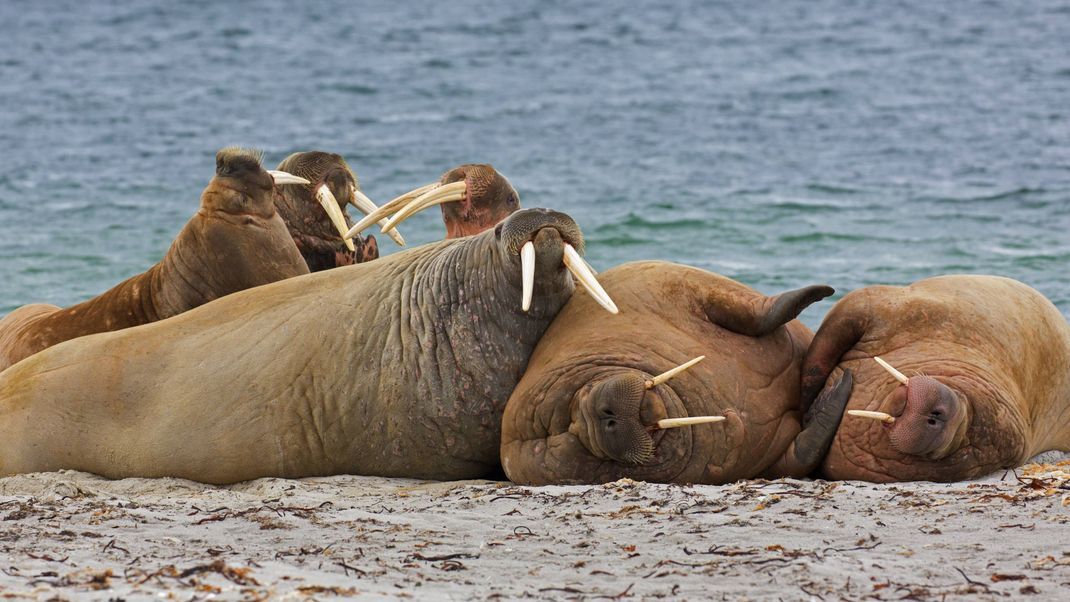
[[498, 231]]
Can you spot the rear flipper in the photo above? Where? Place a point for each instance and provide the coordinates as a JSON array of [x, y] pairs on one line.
[[819, 427]]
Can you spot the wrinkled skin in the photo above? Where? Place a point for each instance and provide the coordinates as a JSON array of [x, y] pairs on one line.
[[490, 199], [989, 387], [581, 413], [316, 237], [397, 367], [234, 242]]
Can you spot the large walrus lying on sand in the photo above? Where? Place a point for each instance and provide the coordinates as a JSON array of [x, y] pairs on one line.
[[988, 360], [315, 212], [398, 367], [602, 393], [234, 242], [474, 197]]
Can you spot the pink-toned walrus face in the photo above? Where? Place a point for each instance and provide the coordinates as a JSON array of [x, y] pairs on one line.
[[955, 377]]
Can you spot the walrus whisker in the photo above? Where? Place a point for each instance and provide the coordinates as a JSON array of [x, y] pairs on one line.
[[282, 177], [885, 418], [330, 205], [367, 207], [443, 194], [527, 269], [899, 376], [664, 376], [671, 423], [379, 215], [578, 267]]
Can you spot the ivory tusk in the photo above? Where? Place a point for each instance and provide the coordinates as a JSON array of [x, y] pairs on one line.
[[885, 418], [578, 267], [664, 376], [378, 216], [330, 205], [527, 269], [367, 207], [670, 423], [283, 177], [899, 376], [443, 194]]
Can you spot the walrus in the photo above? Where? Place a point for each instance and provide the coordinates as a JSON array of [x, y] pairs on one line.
[[989, 383], [602, 393], [396, 367], [473, 197], [235, 241], [315, 213]]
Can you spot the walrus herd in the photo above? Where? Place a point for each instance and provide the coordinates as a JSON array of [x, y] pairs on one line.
[[272, 340]]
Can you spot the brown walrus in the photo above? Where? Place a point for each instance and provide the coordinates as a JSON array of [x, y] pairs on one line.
[[590, 408], [315, 212], [989, 385], [474, 197], [398, 367], [234, 242]]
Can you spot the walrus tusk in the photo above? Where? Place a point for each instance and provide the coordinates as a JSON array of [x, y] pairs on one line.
[[671, 423], [443, 194], [282, 177], [367, 207], [330, 205], [578, 267], [664, 376], [899, 376], [527, 269], [379, 215], [885, 418]]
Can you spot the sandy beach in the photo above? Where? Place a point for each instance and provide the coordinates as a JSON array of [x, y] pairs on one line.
[[71, 535]]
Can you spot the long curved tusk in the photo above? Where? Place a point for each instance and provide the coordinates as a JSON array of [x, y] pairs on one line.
[[671, 423], [367, 207], [885, 418], [330, 205], [899, 376], [443, 194], [283, 177], [378, 216], [527, 270], [578, 267], [664, 376]]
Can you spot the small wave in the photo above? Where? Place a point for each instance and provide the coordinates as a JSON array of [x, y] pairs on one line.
[[359, 89]]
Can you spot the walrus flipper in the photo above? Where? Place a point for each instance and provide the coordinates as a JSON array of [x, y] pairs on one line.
[[758, 316], [819, 427]]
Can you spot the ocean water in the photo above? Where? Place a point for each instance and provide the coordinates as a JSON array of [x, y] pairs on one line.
[[782, 144]]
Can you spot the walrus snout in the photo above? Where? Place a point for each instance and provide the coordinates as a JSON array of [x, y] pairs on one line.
[[931, 419], [609, 419]]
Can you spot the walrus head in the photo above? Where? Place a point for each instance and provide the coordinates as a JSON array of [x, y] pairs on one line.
[[315, 213], [898, 427], [241, 186], [603, 394], [933, 419], [474, 197]]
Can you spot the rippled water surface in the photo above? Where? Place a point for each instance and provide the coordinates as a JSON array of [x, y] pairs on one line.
[[781, 144]]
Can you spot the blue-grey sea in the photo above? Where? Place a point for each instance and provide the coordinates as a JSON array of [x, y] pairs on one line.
[[779, 143]]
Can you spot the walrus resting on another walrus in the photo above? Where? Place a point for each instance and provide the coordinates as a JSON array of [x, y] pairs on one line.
[[600, 395], [396, 367], [234, 242], [315, 213], [474, 197], [989, 385]]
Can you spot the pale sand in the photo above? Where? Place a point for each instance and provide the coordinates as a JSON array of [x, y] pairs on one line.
[[76, 536]]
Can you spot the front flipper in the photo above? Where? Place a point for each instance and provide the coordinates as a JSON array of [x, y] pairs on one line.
[[819, 427], [744, 312]]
